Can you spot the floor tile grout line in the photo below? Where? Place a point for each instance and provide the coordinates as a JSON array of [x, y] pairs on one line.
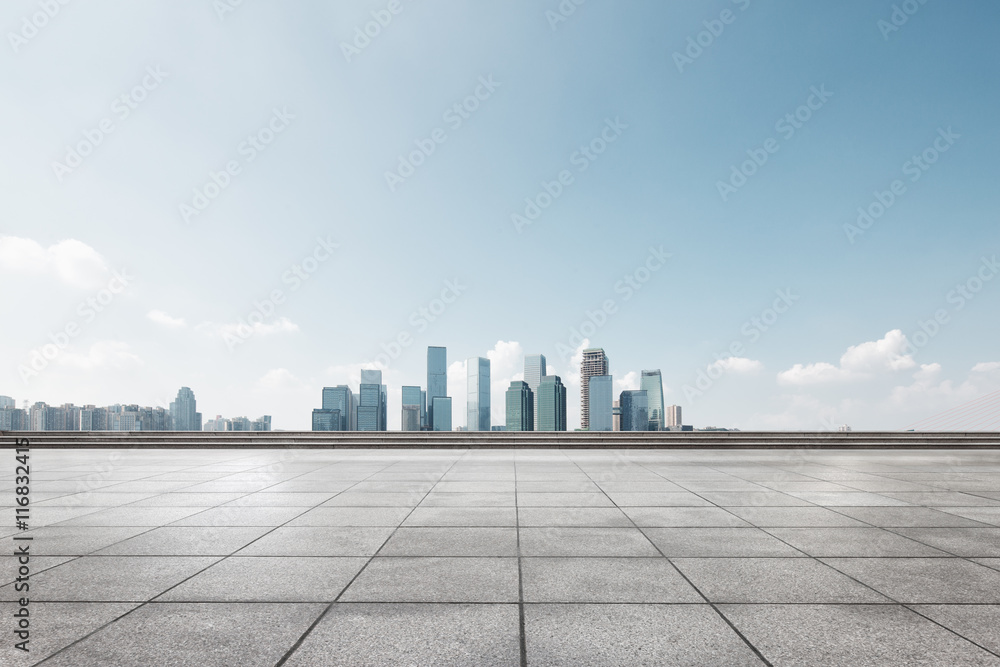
[[298, 643], [690, 583], [521, 631], [909, 606]]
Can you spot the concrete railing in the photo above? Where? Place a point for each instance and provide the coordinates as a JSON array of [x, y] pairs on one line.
[[503, 439]]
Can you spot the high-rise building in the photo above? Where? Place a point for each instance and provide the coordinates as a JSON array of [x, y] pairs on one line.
[[262, 423], [534, 371], [551, 402], [183, 412], [477, 404], [326, 420], [13, 419], [673, 416], [373, 398], [7, 403], [412, 400], [520, 404], [600, 393], [340, 398], [634, 410], [616, 416], [652, 383], [441, 409], [437, 380], [595, 362]]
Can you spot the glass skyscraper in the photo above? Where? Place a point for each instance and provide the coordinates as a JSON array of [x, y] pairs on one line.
[[183, 411], [520, 404], [634, 410], [534, 371], [652, 384], [372, 404], [594, 362], [413, 400], [441, 409], [478, 396], [437, 380], [600, 393], [326, 420], [551, 402], [340, 398]]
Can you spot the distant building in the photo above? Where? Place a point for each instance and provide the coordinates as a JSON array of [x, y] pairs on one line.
[[478, 415], [262, 423], [616, 416], [326, 420], [413, 402], [520, 404], [375, 396], [534, 371], [634, 410], [498, 428], [652, 383], [441, 409], [341, 398], [7, 403], [595, 362], [601, 397], [437, 381], [13, 419], [551, 402], [183, 412], [673, 416]]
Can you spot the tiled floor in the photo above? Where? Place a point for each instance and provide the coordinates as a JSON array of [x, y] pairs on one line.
[[500, 557]]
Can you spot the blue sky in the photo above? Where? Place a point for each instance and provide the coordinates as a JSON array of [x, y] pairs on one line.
[[842, 352]]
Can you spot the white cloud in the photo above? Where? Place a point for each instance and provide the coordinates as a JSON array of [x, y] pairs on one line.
[[738, 365], [858, 362], [239, 329], [986, 367], [278, 379], [101, 355], [72, 262], [161, 317], [628, 382]]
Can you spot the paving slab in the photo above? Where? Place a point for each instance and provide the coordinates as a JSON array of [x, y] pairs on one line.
[[452, 541], [391, 579], [555, 541], [611, 580], [977, 623], [924, 580], [56, 625], [718, 542]]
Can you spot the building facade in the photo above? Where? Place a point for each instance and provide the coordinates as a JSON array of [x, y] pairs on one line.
[[437, 380], [634, 406], [673, 416], [534, 371], [184, 413], [652, 383], [595, 362], [478, 416], [441, 407], [551, 402], [600, 392], [520, 407], [413, 402]]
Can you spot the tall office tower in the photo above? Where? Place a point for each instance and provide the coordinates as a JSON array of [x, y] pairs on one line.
[[478, 396], [7, 403], [441, 409], [340, 398], [13, 419], [412, 400], [520, 404], [183, 411], [326, 420], [437, 380], [551, 401], [616, 416], [635, 410], [595, 362], [373, 398], [423, 409], [652, 383], [262, 423], [534, 371], [601, 398], [673, 416]]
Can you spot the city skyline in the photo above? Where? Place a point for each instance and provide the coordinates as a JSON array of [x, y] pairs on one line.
[[808, 247]]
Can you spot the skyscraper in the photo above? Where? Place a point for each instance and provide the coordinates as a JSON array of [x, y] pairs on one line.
[[183, 411], [437, 380], [478, 396], [634, 410], [326, 420], [551, 402], [520, 404], [7, 403], [534, 370], [600, 397], [441, 408], [340, 398], [372, 405], [673, 416], [595, 362], [412, 408], [652, 383]]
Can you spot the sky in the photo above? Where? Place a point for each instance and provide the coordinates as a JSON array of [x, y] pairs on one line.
[[788, 208]]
